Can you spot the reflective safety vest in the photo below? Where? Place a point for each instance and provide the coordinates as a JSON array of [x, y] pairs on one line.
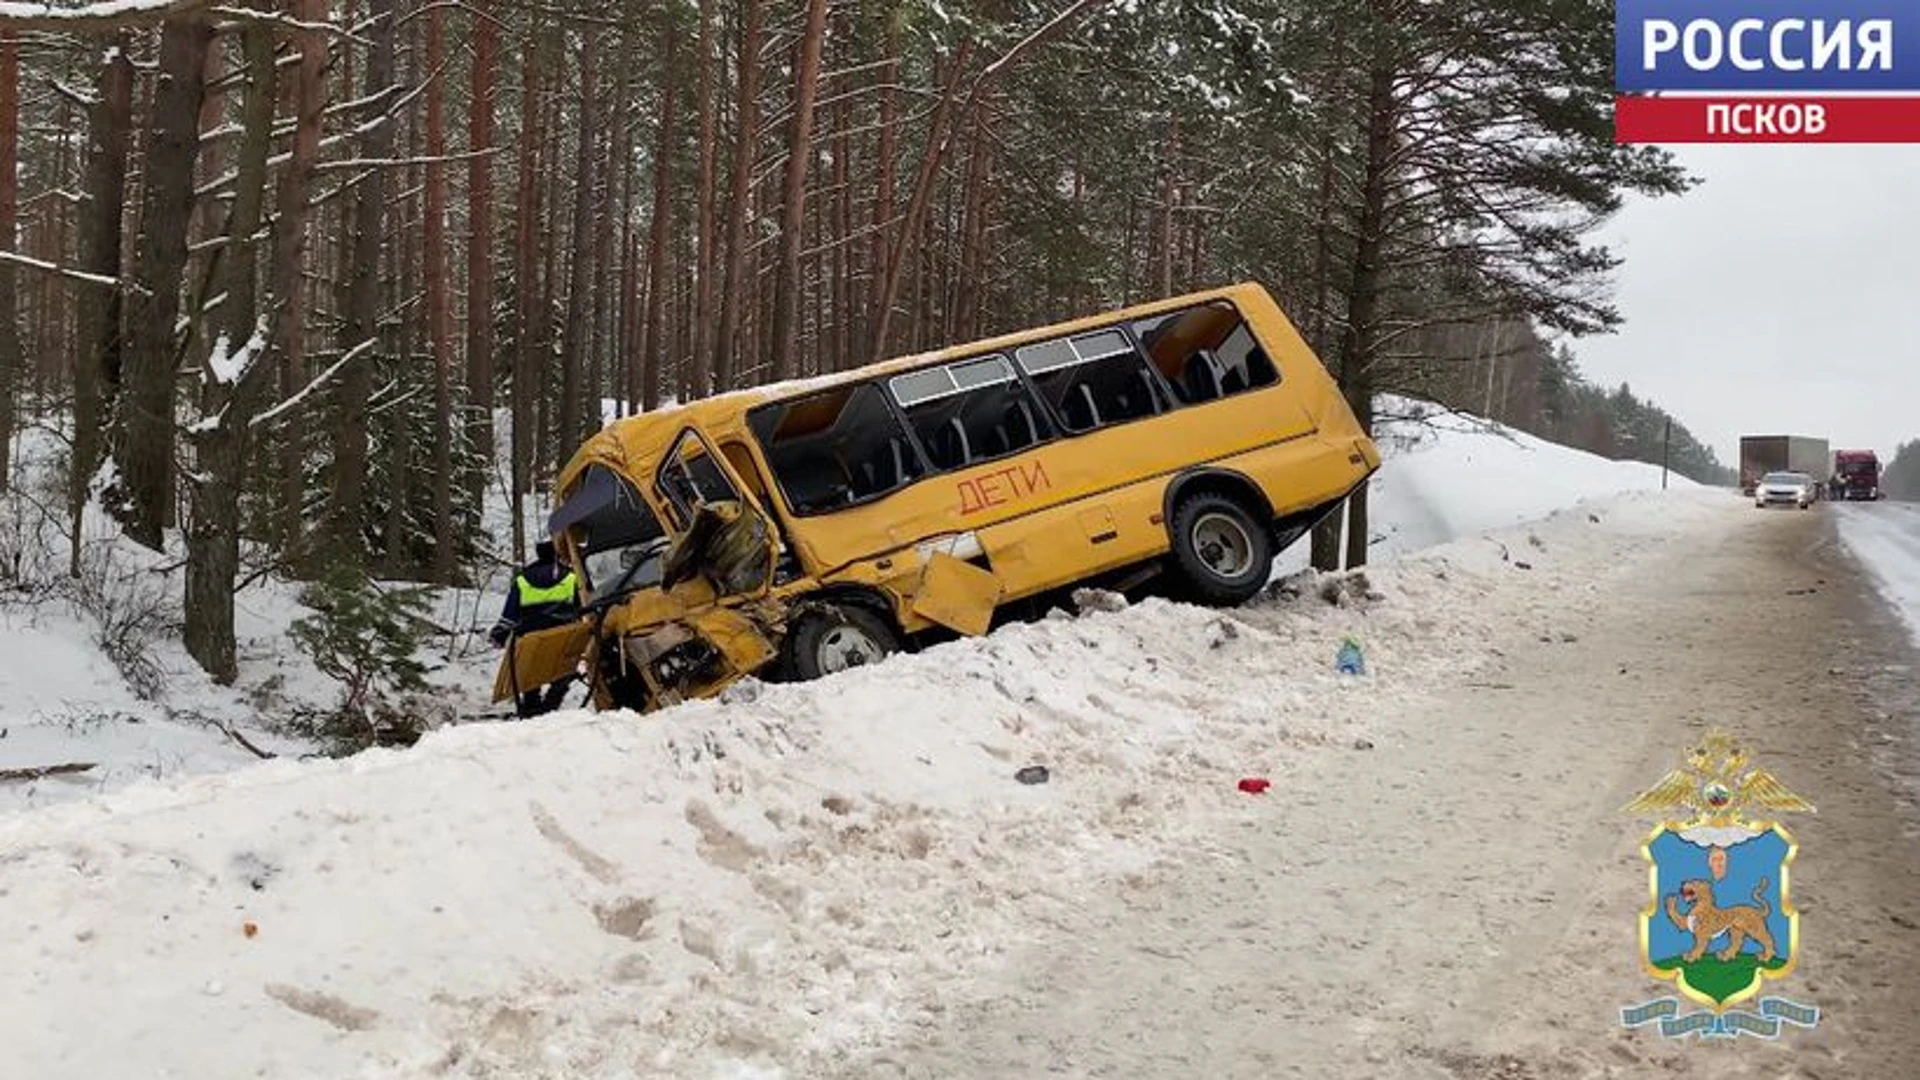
[[561, 592]]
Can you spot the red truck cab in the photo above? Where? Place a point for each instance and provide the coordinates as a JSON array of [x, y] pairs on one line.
[[1856, 474]]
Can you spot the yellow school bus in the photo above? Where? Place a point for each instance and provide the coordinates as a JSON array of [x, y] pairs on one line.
[[795, 530]]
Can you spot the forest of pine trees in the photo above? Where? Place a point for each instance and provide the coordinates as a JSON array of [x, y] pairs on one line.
[[1900, 475], [277, 266]]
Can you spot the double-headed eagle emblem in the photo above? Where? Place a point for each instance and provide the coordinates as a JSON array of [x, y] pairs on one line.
[[1717, 789]]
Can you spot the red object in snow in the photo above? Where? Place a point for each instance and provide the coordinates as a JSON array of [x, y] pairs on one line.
[[1254, 785]]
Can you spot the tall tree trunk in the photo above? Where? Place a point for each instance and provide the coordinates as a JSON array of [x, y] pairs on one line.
[[145, 445], [439, 300], [96, 372], [654, 354], [840, 348], [1169, 199], [1358, 337], [289, 245], [480, 373], [700, 379], [347, 516], [229, 382], [1323, 247], [786, 297], [880, 256], [12, 357], [746, 110], [579, 302], [973, 229], [920, 201], [614, 223], [526, 291]]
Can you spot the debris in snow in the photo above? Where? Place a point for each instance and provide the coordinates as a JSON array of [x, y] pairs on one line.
[[1220, 631], [38, 771], [1363, 744], [1255, 785], [254, 870], [1091, 600], [1340, 588], [742, 692], [1350, 660], [250, 928], [1595, 518], [1518, 565], [1033, 774]]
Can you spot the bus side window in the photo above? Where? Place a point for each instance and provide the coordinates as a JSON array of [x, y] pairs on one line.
[[836, 448], [969, 412], [1092, 380], [1206, 353]]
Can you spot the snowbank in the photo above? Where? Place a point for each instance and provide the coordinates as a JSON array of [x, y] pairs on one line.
[[1449, 475], [767, 886], [1885, 537], [1446, 476]]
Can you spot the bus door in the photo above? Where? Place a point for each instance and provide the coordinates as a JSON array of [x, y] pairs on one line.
[[720, 531]]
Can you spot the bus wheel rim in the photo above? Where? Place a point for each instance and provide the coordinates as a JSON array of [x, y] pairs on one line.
[[1223, 545], [846, 646]]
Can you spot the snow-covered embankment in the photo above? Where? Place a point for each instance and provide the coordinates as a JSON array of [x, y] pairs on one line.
[[729, 888]]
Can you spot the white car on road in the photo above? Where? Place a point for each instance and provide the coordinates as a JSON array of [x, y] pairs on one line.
[[1784, 488]]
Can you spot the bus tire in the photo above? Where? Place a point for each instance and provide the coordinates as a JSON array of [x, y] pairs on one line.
[[1222, 553], [828, 638]]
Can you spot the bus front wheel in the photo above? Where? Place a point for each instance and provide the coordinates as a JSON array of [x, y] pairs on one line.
[[834, 637], [1221, 552]]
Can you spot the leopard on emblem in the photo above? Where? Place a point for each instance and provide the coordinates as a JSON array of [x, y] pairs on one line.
[[1719, 924]]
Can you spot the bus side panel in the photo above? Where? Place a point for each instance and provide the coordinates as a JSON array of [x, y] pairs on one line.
[[1070, 542], [1306, 473]]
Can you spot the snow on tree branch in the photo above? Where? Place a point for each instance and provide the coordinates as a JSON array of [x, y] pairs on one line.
[[319, 380], [228, 368], [53, 268], [100, 15]]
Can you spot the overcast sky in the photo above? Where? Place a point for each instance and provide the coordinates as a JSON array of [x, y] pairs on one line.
[[1780, 296]]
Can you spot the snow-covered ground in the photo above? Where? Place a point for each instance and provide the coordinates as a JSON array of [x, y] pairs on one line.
[[1885, 537], [93, 670], [768, 885], [776, 882]]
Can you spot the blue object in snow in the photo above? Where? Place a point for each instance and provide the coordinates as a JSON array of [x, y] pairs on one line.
[[1350, 661]]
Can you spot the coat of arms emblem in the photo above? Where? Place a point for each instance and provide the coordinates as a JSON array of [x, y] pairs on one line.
[[1719, 924]]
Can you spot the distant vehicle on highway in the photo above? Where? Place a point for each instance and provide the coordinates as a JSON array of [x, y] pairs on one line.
[[1785, 489], [1762, 454], [1856, 475]]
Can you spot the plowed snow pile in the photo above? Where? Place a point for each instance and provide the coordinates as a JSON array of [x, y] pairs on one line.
[[61, 700], [760, 887]]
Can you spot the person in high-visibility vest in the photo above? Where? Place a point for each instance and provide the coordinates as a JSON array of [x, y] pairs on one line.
[[545, 593]]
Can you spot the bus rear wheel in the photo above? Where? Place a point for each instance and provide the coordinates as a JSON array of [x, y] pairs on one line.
[[1222, 554], [829, 638]]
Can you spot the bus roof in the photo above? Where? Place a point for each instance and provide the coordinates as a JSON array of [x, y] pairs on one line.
[[646, 436]]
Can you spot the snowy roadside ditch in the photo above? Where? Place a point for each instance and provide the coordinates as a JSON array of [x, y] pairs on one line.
[[761, 886]]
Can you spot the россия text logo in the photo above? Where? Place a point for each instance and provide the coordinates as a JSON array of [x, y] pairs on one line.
[[1767, 71]]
